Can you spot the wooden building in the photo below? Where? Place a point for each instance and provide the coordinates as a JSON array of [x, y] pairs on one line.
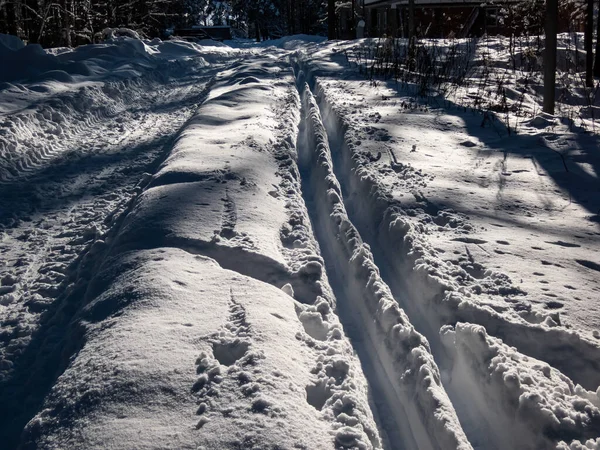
[[439, 18]]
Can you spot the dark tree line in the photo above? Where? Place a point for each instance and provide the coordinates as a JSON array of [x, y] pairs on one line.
[[75, 22]]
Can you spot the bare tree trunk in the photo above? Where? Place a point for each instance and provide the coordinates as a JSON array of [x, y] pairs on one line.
[[588, 38], [353, 21], [597, 63], [11, 18], [551, 28], [293, 16], [411, 19], [67, 23], [331, 19]]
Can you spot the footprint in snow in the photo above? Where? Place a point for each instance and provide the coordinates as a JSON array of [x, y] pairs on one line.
[[228, 353], [589, 264], [318, 394], [469, 240], [563, 244]]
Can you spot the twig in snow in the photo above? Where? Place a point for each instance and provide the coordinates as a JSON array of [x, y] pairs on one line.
[[545, 143]]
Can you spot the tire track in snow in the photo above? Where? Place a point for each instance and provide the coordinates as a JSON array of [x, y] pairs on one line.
[[74, 122]]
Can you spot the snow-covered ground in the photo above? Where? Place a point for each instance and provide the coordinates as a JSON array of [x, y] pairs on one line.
[[240, 246]]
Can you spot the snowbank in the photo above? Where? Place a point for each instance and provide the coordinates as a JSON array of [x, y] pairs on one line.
[[528, 404], [31, 62], [9, 43], [117, 56]]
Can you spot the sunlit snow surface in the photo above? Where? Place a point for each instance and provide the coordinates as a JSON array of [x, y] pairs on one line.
[[226, 246]]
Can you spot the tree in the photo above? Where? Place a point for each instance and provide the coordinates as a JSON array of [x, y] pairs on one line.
[[597, 62], [551, 28], [411, 20], [73, 22], [331, 19], [588, 38]]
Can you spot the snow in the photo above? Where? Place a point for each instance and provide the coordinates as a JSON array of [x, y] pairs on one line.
[[527, 402], [405, 358], [371, 128], [9, 43], [238, 245], [201, 366], [293, 42]]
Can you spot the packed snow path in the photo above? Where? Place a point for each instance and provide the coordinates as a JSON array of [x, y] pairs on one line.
[[258, 289]]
